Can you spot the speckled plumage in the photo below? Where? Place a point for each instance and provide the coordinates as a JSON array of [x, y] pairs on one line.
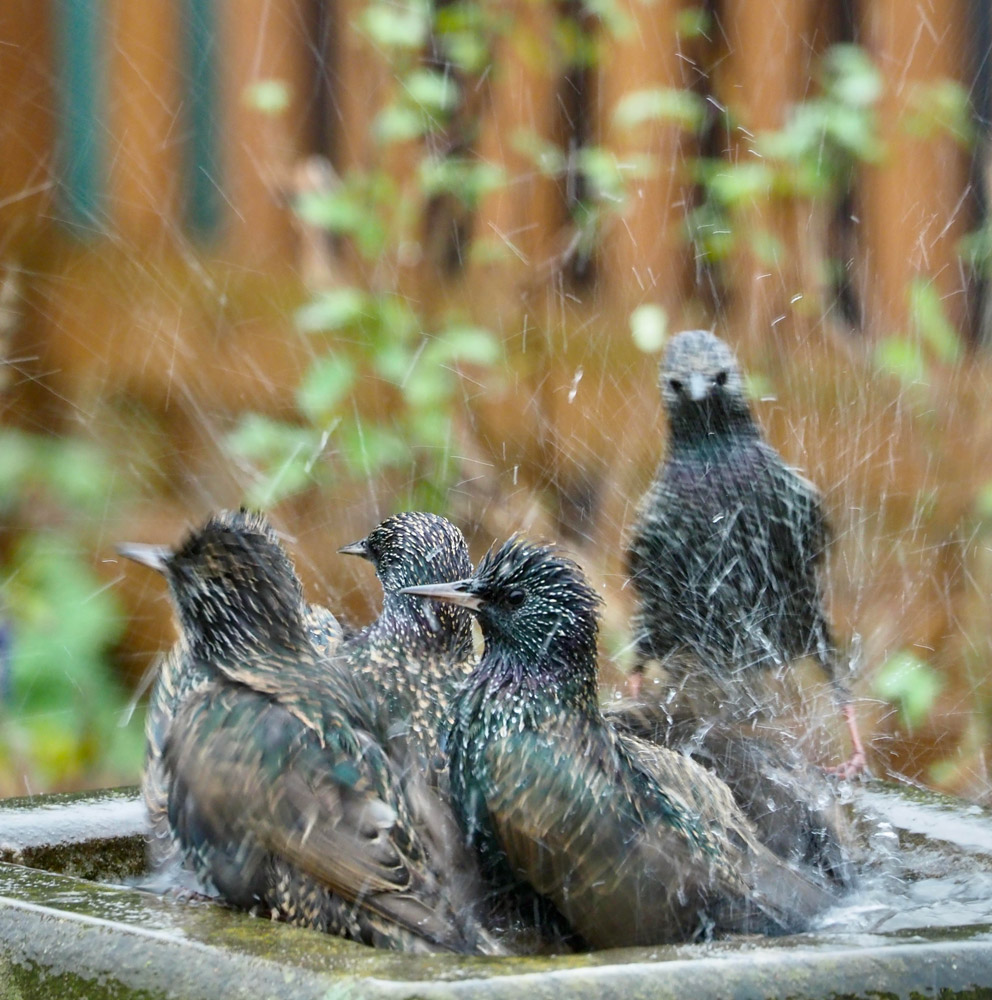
[[280, 792], [726, 555], [792, 805], [415, 654], [177, 677], [630, 843]]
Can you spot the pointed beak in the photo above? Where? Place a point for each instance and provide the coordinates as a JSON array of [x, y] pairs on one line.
[[698, 387], [359, 548], [458, 592], [153, 556]]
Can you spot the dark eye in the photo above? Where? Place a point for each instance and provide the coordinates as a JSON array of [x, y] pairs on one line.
[[675, 384], [721, 378], [516, 597]]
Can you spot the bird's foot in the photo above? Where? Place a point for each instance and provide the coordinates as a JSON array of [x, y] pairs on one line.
[[851, 768]]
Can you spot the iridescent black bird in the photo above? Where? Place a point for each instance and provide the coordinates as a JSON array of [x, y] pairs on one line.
[[631, 843], [177, 676], [792, 804], [415, 654], [726, 554], [280, 791]]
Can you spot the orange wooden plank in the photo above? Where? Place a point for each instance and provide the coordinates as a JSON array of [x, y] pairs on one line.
[[914, 206], [144, 157]]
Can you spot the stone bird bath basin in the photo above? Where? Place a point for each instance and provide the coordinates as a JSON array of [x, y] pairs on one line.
[[74, 924]]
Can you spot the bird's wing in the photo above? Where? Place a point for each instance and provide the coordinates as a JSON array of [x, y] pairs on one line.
[[565, 809], [248, 769], [803, 503]]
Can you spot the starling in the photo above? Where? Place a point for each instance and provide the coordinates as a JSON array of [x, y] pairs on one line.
[[726, 554], [280, 792], [630, 842], [792, 805], [177, 676], [416, 653]]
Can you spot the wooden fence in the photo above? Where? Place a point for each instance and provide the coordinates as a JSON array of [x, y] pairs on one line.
[[146, 214]]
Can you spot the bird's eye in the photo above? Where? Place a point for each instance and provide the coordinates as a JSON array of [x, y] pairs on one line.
[[675, 384], [721, 378], [516, 597]]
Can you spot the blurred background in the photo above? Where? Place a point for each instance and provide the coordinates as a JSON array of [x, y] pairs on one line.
[[339, 258]]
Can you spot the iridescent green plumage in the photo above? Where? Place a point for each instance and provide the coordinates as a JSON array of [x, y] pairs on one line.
[[630, 843], [281, 791], [415, 654], [725, 558]]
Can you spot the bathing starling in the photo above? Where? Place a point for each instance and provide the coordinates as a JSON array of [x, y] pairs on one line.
[[415, 654], [280, 793], [792, 805], [726, 554], [630, 842], [178, 676]]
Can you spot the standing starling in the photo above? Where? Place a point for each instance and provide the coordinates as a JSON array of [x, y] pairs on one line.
[[726, 554], [280, 793], [416, 653], [631, 843]]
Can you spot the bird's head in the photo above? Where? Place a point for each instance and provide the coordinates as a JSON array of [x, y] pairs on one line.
[[229, 579], [412, 549], [701, 383], [533, 604]]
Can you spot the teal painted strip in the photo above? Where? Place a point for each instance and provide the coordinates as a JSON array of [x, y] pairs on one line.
[[80, 69], [202, 155]]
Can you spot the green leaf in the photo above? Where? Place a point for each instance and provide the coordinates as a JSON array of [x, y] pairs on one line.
[[741, 184], [433, 91], [457, 176], [683, 107], [399, 123], [902, 357], [941, 107], [398, 25], [983, 502], [911, 683], [470, 344], [693, 22], [333, 309], [368, 448], [649, 327], [16, 462], [259, 437], [326, 383], [393, 361], [427, 386], [546, 156], [927, 311], [851, 76], [271, 97]]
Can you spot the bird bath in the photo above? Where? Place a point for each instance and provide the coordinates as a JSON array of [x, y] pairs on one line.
[[920, 924]]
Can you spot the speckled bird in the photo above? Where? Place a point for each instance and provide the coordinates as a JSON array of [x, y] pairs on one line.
[[726, 555], [630, 843], [793, 805], [177, 676], [280, 793], [415, 654]]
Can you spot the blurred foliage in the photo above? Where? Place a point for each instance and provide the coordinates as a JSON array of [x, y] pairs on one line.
[[911, 684], [60, 704], [812, 156], [371, 333]]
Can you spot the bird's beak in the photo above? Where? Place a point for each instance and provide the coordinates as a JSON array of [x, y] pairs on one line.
[[698, 387], [153, 556], [359, 548], [458, 592]]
